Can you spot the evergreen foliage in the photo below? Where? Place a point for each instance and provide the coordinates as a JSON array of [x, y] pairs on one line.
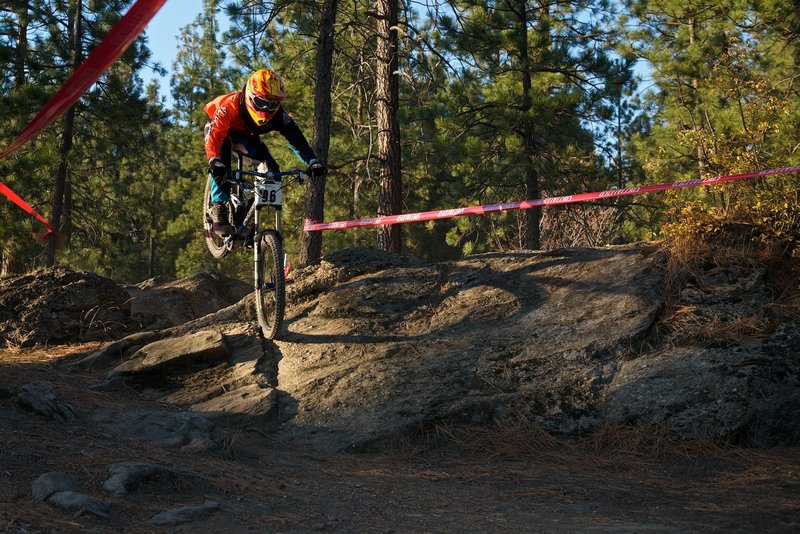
[[499, 100]]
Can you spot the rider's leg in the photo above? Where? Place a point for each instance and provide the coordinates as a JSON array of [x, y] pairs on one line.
[[220, 195], [221, 190]]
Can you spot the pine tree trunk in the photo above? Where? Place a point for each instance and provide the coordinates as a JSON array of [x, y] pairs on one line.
[[533, 217], [65, 147], [151, 240], [7, 264], [66, 217], [696, 112], [21, 45], [311, 249], [619, 141], [387, 93]]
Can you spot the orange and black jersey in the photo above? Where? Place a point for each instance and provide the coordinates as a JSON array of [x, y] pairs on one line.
[[228, 115]]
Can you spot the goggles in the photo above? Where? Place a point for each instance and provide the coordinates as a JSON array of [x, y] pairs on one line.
[[262, 104]]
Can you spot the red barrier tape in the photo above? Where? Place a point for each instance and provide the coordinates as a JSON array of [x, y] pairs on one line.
[[312, 226], [110, 48], [25, 206]]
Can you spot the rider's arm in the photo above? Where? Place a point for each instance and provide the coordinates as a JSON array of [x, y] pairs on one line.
[[288, 128]]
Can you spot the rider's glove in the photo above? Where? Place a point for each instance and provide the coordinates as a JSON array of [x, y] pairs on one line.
[[217, 168], [316, 168]]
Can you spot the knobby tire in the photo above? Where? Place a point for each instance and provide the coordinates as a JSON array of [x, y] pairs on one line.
[[270, 284]]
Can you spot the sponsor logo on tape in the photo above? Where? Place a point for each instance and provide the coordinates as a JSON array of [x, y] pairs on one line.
[[619, 192], [443, 214], [500, 207], [558, 200], [779, 171], [687, 183]]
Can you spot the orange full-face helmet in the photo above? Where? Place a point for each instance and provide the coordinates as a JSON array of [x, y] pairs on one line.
[[263, 95]]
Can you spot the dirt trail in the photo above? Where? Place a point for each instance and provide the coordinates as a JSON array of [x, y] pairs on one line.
[[504, 480]]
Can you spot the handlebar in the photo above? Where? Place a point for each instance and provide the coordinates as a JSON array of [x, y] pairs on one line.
[[275, 176]]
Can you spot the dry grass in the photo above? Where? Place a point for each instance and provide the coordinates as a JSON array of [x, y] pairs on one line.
[[711, 329], [45, 354], [693, 264], [607, 449]]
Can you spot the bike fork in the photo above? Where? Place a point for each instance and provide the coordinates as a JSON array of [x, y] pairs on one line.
[[256, 248], [258, 275]]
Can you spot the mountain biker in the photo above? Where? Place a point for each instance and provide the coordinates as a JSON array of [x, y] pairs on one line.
[[237, 120]]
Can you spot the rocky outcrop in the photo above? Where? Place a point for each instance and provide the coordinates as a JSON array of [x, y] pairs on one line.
[[379, 346], [747, 393], [187, 430], [128, 477], [204, 347], [205, 426], [60, 490], [165, 302], [468, 342], [58, 306], [42, 399]]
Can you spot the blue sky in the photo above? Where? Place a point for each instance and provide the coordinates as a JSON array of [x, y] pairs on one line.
[[162, 36]]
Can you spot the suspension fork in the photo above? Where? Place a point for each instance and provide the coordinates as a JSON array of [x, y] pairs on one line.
[[257, 236], [257, 274]]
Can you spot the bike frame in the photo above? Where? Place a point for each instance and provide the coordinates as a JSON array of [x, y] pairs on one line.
[[263, 184]]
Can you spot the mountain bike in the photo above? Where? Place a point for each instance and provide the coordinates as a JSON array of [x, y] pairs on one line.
[[247, 201]]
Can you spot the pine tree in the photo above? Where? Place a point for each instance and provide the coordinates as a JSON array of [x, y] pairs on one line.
[[91, 149], [724, 105], [528, 74], [61, 193], [311, 248]]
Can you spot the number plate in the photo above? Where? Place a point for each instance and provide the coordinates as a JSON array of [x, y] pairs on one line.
[[269, 194]]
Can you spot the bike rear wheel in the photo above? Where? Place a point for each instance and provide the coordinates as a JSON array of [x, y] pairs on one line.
[[270, 284], [215, 243]]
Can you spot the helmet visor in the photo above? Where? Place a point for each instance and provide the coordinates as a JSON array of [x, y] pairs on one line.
[[262, 104]]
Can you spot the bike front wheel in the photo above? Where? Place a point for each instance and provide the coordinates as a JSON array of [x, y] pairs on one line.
[[270, 284]]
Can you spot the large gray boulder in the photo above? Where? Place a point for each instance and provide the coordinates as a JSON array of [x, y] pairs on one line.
[[203, 347], [163, 302], [467, 342], [749, 393], [379, 346]]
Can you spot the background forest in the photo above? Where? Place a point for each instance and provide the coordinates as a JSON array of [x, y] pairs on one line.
[[415, 106]]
